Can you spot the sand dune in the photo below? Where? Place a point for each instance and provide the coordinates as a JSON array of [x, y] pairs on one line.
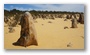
[[49, 35]]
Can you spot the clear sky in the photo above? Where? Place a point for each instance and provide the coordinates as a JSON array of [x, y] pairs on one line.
[[49, 7]]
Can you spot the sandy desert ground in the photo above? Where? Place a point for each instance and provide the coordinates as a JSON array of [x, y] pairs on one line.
[[49, 35]]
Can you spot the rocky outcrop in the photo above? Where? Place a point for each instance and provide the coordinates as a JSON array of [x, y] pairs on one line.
[[74, 23], [28, 34], [81, 18]]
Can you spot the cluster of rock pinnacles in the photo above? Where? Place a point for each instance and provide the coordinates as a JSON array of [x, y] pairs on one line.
[[28, 34]]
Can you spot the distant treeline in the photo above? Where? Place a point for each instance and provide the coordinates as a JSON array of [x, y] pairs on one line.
[[34, 12]]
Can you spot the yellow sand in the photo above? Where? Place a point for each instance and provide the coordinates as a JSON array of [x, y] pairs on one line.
[[49, 35]]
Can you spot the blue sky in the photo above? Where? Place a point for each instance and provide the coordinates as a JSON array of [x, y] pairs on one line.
[[49, 7]]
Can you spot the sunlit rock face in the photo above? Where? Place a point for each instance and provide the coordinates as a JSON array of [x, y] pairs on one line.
[[74, 23], [28, 34]]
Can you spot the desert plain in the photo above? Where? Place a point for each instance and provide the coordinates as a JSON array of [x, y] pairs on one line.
[[50, 35]]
